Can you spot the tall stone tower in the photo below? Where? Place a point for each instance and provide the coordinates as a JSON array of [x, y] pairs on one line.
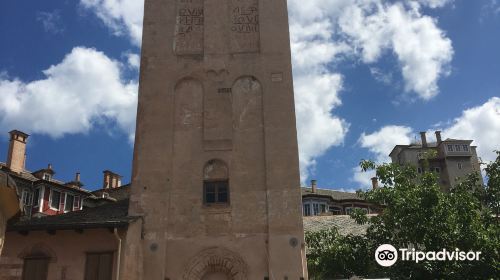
[[215, 172]]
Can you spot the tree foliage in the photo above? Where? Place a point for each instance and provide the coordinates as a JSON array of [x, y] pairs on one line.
[[417, 214]]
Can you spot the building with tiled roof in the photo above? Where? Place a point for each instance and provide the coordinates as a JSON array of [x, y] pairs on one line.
[[320, 202]]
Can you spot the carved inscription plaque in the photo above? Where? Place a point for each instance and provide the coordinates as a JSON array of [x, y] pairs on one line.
[[189, 27], [244, 26]]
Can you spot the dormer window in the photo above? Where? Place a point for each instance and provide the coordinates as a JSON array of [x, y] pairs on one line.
[[215, 183], [450, 148], [47, 176], [465, 147]]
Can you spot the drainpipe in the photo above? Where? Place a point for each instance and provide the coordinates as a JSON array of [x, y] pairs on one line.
[[118, 260]]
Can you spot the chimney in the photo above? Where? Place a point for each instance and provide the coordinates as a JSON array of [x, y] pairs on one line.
[[375, 183], [424, 139], [313, 186], [438, 137], [111, 180], [16, 156], [76, 183]]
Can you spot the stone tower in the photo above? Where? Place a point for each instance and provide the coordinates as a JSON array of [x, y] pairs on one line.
[[215, 172]]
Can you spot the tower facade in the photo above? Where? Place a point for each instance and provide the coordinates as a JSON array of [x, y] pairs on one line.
[[215, 172]]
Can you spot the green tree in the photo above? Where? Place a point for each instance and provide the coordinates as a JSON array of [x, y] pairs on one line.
[[417, 214]]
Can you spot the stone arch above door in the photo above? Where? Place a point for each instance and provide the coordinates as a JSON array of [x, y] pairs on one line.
[[39, 250], [216, 260]]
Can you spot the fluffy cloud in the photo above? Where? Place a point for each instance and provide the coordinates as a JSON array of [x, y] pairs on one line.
[[51, 21], [380, 143], [423, 50], [326, 31], [481, 124], [124, 17], [79, 92], [433, 3], [317, 88]]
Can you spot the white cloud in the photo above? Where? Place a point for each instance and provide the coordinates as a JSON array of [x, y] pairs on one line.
[[133, 60], [380, 143], [433, 3], [363, 179], [326, 31], [82, 90], [481, 124], [124, 17], [489, 9], [424, 52], [51, 21], [381, 76], [317, 88], [318, 130]]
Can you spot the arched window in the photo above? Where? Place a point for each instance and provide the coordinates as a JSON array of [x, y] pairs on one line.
[[215, 183]]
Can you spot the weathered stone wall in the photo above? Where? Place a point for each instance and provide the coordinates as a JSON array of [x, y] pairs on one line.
[[216, 84]]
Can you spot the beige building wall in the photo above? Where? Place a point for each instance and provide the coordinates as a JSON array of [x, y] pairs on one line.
[[66, 249], [216, 86]]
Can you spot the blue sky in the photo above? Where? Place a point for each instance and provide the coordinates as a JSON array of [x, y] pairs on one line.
[[369, 74]]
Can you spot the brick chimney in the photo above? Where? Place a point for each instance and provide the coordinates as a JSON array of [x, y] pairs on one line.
[[76, 183], [111, 180], [16, 157], [314, 186], [424, 139], [438, 137], [374, 183]]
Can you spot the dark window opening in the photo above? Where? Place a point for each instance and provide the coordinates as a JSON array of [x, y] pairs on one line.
[[99, 266], [36, 197], [216, 192], [70, 200], [55, 200], [35, 268]]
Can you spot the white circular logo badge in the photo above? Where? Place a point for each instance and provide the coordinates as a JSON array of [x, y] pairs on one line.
[[386, 255]]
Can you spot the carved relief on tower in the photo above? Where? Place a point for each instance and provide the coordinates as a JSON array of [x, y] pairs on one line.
[[189, 27], [244, 26], [216, 263]]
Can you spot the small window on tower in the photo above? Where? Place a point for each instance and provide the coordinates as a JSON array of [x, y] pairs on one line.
[[215, 183]]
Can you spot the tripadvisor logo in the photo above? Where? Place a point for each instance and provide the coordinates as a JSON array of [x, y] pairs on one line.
[[387, 255]]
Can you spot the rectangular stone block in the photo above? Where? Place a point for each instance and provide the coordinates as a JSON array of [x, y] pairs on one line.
[[189, 27], [244, 26]]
